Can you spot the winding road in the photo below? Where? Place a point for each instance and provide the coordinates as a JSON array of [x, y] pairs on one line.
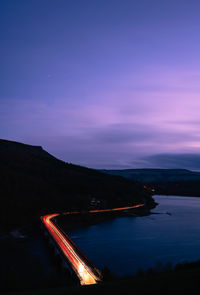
[[87, 273]]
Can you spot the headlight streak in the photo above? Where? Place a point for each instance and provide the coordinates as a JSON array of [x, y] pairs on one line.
[[87, 274]]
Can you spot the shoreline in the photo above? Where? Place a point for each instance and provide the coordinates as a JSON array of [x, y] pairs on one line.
[[74, 222]]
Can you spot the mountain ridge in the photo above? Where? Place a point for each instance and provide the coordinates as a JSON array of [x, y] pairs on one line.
[[155, 174], [181, 182], [34, 183]]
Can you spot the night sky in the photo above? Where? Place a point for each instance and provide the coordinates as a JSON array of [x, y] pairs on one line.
[[103, 83]]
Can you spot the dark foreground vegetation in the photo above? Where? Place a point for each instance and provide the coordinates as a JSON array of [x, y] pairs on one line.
[[34, 183], [28, 262], [164, 181], [184, 279]]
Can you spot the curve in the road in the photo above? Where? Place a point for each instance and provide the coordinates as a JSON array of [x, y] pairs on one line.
[[86, 272]]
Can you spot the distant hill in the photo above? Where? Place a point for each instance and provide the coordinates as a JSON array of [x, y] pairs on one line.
[[164, 181], [156, 175], [33, 183]]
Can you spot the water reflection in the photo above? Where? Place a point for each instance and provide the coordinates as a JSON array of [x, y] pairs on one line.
[[127, 244]]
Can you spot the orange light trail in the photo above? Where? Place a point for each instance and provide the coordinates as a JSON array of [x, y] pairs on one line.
[[116, 209], [86, 272], [106, 210]]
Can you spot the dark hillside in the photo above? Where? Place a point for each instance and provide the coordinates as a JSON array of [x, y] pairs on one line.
[[156, 175], [164, 181], [33, 183]]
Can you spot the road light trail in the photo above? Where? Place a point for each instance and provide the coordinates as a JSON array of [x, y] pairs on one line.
[[117, 209], [84, 269], [106, 210], [85, 273]]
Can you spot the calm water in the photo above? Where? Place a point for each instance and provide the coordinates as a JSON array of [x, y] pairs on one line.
[[127, 244]]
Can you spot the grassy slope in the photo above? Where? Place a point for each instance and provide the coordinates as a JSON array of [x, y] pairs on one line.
[[33, 183]]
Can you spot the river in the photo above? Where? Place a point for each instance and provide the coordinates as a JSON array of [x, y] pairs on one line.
[[127, 244]]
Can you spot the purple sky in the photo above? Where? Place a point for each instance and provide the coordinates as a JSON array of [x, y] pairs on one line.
[[105, 84]]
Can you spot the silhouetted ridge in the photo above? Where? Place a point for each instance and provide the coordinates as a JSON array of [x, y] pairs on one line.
[[33, 183], [155, 175], [164, 181], [17, 145]]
